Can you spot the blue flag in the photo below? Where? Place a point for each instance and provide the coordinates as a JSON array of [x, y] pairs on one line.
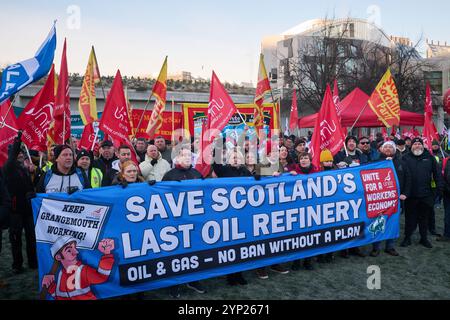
[[17, 76]]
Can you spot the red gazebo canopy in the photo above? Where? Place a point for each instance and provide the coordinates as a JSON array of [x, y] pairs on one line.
[[351, 108]]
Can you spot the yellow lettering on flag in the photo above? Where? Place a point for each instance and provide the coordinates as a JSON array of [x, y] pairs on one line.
[[384, 101]]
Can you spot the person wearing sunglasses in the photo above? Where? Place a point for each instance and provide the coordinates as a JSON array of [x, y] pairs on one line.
[[371, 154]]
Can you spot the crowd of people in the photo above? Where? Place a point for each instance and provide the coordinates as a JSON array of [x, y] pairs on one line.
[[424, 178]]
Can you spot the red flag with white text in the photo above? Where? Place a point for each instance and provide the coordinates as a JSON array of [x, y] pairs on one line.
[[221, 107], [115, 121], [328, 133], [35, 119]]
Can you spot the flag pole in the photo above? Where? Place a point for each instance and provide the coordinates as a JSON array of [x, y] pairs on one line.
[[9, 109], [142, 116], [103, 91], [95, 139], [173, 119]]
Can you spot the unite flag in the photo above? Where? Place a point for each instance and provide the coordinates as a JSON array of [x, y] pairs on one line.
[[35, 119], [17, 76], [60, 131], [328, 133]]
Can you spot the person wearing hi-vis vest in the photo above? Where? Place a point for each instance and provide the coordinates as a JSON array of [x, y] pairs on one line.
[[74, 280], [84, 162]]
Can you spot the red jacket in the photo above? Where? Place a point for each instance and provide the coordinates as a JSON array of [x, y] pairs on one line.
[[75, 284]]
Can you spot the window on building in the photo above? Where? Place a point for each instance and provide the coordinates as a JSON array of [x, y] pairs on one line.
[[435, 80], [352, 30]]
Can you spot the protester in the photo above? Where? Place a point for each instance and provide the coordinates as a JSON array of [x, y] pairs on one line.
[[446, 236], [354, 156], [129, 173], [166, 152], [20, 188], [234, 168], [123, 154], [184, 171], [300, 147], [365, 147], [388, 152], [305, 167], [439, 155], [154, 167], [141, 149], [287, 164], [402, 150], [326, 164], [104, 163], [408, 143], [84, 162], [64, 176], [418, 205], [5, 213]]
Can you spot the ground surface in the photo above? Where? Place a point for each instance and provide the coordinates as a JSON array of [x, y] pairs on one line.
[[419, 273]]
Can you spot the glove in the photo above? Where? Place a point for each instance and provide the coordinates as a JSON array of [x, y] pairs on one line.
[[257, 177], [124, 184], [154, 161], [30, 195], [151, 182]]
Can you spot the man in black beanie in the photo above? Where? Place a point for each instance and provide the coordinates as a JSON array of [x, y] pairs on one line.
[[354, 156], [419, 204]]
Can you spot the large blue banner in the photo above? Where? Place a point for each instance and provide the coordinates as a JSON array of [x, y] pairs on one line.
[[112, 241]]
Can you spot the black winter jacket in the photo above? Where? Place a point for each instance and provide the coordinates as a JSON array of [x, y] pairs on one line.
[[423, 169], [228, 171], [108, 172], [179, 173], [18, 181]]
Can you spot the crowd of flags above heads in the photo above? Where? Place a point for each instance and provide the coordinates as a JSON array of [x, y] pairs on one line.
[[46, 118]]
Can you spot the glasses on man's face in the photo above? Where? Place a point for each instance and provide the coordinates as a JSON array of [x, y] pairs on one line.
[[363, 143]]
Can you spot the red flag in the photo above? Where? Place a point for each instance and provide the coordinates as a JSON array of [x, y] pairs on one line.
[[87, 138], [293, 122], [428, 100], [61, 129], [203, 164], [336, 99], [328, 133], [220, 108], [8, 129], [115, 121], [429, 132], [385, 134], [35, 119]]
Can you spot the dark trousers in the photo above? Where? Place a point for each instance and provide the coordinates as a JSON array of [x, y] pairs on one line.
[[19, 222], [417, 212], [447, 215]]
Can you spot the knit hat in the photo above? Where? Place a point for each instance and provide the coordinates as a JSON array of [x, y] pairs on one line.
[[60, 148], [326, 156], [401, 142], [106, 143], [389, 143], [84, 153], [416, 140], [435, 143], [351, 138]]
